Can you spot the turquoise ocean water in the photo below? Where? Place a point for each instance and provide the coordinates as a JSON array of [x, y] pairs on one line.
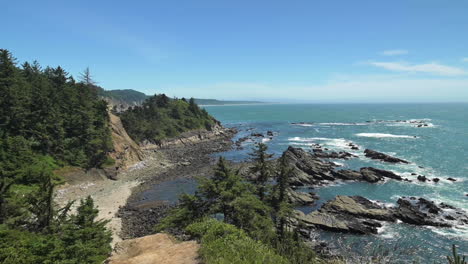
[[438, 150]]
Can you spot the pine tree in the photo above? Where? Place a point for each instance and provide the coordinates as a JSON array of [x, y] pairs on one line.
[[261, 169]]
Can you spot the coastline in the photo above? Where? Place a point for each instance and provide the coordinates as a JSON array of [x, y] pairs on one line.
[[161, 163]]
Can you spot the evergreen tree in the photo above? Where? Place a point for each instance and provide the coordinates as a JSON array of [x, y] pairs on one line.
[[261, 169]]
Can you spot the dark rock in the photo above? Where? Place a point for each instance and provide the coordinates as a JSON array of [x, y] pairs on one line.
[[384, 157], [371, 174], [257, 135], [451, 179], [424, 212], [307, 169], [422, 178], [354, 148], [436, 180], [414, 174], [349, 175], [269, 133], [351, 214], [333, 155]]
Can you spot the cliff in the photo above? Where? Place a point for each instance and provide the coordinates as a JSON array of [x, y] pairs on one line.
[[126, 151]]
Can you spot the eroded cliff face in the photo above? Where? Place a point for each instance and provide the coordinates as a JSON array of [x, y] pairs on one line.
[[126, 152]]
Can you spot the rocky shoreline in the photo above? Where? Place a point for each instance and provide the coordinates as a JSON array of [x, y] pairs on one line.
[[188, 157], [310, 169]]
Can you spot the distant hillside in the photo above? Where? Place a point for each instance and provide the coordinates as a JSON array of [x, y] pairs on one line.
[[127, 96], [130, 97]]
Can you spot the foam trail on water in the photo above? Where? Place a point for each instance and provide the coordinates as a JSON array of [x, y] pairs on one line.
[[383, 135]]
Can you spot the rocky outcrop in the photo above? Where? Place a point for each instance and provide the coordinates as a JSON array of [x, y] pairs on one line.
[[301, 198], [348, 175], [356, 214], [350, 214], [371, 174], [126, 152], [420, 211], [318, 152], [191, 138], [158, 248], [307, 169], [383, 157]]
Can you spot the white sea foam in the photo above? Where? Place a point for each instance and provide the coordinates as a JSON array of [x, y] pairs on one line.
[[303, 124], [460, 232], [332, 143], [383, 135], [343, 124], [265, 140]]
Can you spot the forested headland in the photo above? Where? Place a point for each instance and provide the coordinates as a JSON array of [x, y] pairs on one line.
[[50, 120]]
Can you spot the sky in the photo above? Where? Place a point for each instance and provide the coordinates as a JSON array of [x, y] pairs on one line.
[[282, 51]]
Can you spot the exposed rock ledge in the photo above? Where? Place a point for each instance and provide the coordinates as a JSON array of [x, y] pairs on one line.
[[158, 248], [356, 214], [383, 157], [191, 137], [308, 169]]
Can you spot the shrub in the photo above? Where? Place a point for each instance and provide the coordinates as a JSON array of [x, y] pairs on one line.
[[224, 243]]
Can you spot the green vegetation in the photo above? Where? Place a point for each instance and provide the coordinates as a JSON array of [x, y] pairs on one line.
[[455, 258], [48, 120], [160, 117], [223, 243], [254, 230], [69, 239], [51, 114]]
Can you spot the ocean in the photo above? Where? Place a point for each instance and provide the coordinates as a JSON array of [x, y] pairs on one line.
[[438, 149]]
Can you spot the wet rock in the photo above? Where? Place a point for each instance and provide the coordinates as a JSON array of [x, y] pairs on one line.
[[420, 211], [333, 155], [269, 133], [451, 179], [348, 175], [351, 214], [371, 174], [383, 157], [257, 135], [436, 180], [422, 178]]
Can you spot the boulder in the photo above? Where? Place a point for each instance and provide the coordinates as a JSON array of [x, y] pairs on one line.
[[436, 180], [422, 178], [451, 179], [383, 157], [269, 133]]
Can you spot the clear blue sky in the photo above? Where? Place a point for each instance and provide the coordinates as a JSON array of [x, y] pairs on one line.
[[352, 51]]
